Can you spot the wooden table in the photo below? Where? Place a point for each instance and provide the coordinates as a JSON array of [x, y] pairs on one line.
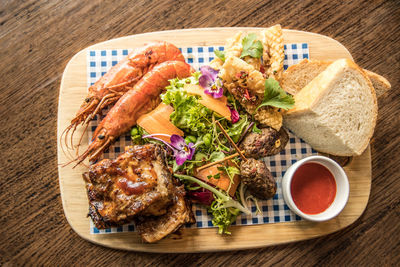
[[37, 40]]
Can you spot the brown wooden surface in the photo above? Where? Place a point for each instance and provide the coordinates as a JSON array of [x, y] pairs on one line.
[[37, 38]]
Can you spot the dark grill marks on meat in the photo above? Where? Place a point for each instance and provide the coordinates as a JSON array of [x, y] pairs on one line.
[[269, 142], [257, 178], [137, 182], [153, 229]]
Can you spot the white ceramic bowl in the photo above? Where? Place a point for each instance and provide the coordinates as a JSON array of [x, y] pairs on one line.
[[342, 188]]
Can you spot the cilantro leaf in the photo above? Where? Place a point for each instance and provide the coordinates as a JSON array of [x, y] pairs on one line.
[[275, 96], [251, 47], [220, 54]]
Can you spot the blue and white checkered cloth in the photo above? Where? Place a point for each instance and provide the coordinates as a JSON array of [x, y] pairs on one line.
[[273, 210]]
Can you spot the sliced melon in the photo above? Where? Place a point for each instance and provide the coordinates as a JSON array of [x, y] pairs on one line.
[[157, 122], [216, 104], [223, 182]]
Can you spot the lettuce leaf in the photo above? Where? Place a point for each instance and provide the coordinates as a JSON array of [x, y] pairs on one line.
[[220, 54], [188, 114]]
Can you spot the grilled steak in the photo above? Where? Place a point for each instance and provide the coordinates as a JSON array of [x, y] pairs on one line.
[[136, 182], [153, 229]]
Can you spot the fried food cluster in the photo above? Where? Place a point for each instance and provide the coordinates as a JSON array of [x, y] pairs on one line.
[[245, 76]]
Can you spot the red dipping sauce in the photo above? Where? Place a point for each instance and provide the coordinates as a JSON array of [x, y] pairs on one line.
[[313, 188]]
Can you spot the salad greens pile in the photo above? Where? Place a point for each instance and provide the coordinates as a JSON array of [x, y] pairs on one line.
[[224, 209], [198, 124]]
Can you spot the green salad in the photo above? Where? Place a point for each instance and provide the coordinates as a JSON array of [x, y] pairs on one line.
[[198, 124]]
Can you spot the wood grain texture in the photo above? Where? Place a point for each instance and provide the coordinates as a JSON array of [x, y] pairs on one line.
[[73, 193], [38, 38]]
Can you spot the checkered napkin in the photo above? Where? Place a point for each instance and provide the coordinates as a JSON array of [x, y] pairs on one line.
[[273, 210]]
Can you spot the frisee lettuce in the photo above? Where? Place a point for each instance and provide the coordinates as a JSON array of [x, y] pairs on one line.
[[224, 209]]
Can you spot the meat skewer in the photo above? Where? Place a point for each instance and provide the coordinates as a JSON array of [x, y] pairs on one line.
[[255, 175], [257, 178], [269, 142], [218, 161], [231, 141]]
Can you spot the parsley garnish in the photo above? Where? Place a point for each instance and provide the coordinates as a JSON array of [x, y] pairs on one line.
[[220, 54], [275, 96], [251, 47], [216, 176]]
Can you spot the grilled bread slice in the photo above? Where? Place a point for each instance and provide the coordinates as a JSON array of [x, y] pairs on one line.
[[336, 112]]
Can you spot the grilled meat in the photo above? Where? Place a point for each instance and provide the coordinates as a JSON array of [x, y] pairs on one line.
[[137, 182], [257, 178], [268, 143], [153, 229]]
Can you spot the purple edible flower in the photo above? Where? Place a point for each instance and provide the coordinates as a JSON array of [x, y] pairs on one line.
[[234, 114], [182, 151], [210, 82]]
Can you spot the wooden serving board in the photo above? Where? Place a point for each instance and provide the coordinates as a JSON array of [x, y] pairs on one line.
[[73, 194]]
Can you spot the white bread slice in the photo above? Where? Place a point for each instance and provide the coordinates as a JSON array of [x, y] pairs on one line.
[[299, 75], [380, 83], [336, 112]]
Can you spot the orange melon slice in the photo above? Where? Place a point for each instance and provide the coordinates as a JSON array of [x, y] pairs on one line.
[[157, 122], [216, 104], [223, 181]]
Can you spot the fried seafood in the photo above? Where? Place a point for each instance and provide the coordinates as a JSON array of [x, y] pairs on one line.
[[246, 84], [244, 76]]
